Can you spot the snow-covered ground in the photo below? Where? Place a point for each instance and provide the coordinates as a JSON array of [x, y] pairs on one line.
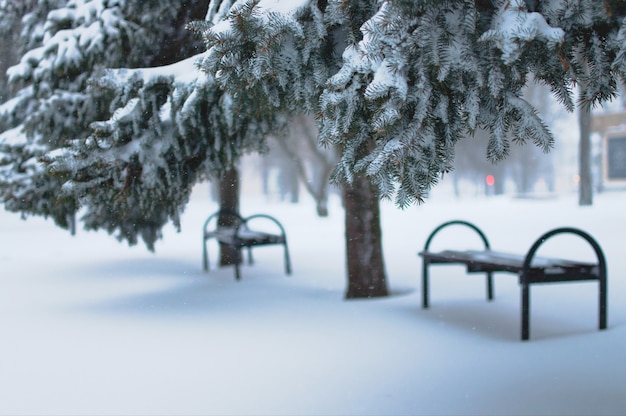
[[90, 326]]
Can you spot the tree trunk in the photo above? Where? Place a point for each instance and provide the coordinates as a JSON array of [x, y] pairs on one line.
[[229, 201], [585, 187], [585, 190], [366, 269]]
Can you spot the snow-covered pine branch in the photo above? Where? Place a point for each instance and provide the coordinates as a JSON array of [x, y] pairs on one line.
[[71, 43], [514, 28], [278, 40]]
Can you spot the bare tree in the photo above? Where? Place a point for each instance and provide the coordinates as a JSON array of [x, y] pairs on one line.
[[313, 163]]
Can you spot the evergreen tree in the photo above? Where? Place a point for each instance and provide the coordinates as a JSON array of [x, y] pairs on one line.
[[23, 185], [297, 71], [69, 45], [394, 84], [11, 12]]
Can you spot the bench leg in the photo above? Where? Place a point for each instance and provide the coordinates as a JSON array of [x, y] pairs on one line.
[[238, 258], [205, 257], [287, 261], [489, 286], [525, 311], [602, 303], [425, 265]]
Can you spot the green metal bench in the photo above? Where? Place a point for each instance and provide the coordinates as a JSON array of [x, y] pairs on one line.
[[239, 235], [530, 269]]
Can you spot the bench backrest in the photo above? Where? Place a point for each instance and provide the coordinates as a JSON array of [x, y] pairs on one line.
[[457, 222]]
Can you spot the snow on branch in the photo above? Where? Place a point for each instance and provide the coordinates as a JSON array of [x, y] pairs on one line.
[[13, 137], [262, 10], [514, 27], [184, 71], [287, 8]]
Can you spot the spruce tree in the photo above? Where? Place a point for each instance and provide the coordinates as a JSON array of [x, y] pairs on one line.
[[69, 44], [394, 84]]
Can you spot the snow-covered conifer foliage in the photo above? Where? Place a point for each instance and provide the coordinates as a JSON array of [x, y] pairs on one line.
[[394, 84], [251, 43], [59, 97], [415, 76], [132, 173], [169, 131]]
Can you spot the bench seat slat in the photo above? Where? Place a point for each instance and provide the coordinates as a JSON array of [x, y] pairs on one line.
[[245, 238], [542, 269]]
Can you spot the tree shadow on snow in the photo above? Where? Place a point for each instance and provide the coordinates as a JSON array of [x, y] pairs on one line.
[[138, 268], [162, 288]]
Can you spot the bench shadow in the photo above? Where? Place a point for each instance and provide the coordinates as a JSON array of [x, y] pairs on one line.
[[500, 321]]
